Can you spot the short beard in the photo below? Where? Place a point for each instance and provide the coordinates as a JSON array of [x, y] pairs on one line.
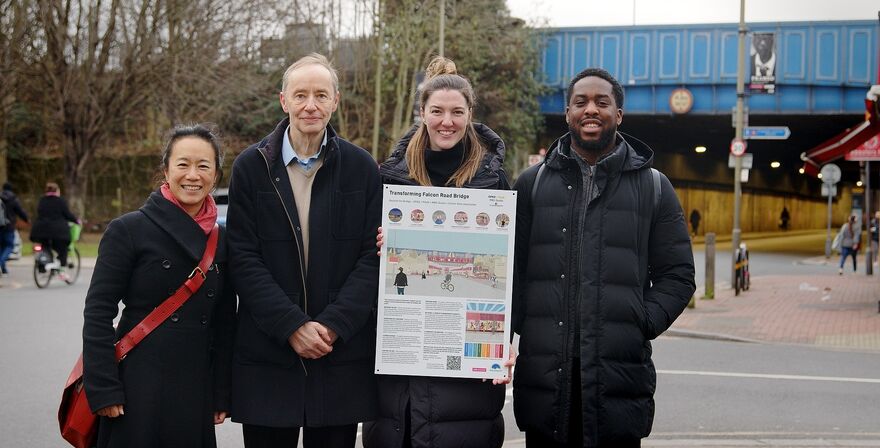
[[600, 146]]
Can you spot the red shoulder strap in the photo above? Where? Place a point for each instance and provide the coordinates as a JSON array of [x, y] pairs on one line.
[[171, 304]]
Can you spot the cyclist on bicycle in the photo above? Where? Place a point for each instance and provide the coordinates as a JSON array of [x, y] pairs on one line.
[[51, 228]]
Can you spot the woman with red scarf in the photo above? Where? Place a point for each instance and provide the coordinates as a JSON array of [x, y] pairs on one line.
[[173, 387]]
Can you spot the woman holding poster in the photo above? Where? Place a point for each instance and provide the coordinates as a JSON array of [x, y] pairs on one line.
[[447, 149]]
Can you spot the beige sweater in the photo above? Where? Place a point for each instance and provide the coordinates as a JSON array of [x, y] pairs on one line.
[[301, 182]]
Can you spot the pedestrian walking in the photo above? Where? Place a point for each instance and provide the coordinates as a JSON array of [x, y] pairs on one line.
[[695, 221], [875, 235], [784, 217], [51, 226], [447, 149], [173, 387], [400, 281], [10, 211], [304, 206], [847, 240], [603, 265]]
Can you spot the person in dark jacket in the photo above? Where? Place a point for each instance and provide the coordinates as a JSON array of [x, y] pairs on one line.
[[695, 221], [784, 217], [446, 149], [400, 281], [304, 205], [874, 228], [12, 211], [603, 266], [51, 226], [173, 387]]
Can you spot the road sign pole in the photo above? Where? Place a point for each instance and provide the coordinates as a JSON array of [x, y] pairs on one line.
[[709, 290], [740, 100], [869, 252], [830, 174], [828, 235]]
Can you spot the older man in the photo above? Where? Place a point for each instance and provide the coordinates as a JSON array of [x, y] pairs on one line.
[[304, 205], [604, 265]]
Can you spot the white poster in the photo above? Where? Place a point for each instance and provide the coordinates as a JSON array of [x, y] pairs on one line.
[[445, 284]]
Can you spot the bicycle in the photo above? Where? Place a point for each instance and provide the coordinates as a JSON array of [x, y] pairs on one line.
[[447, 285], [45, 266], [742, 278]]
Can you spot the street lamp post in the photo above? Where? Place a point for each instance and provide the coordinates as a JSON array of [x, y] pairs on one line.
[[737, 171], [442, 42]]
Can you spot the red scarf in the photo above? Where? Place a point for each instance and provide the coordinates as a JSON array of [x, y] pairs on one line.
[[207, 215]]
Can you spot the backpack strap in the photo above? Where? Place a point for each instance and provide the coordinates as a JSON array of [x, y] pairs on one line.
[[537, 179], [657, 189], [655, 175]]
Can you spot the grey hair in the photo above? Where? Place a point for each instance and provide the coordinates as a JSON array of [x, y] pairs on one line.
[[312, 59]]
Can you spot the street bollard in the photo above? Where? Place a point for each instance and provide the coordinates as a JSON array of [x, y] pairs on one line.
[[709, 292]]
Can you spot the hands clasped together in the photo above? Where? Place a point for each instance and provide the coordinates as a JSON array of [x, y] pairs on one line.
[[313, 340]]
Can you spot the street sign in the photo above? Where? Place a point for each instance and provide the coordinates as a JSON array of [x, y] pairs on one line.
[[737, 147], [828, 188], [766, 133], [830, 174], [868, 151], [744, 176], [746, 161]]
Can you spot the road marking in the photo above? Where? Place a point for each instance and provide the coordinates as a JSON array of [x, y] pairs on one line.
[[772, 376], [736, 443], [763, 434], [765, 443]]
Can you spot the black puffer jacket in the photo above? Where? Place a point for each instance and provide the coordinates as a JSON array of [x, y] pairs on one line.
[[443, 412], [605, 267]]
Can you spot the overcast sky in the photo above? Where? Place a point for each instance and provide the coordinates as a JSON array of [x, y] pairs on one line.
[[562, 13]]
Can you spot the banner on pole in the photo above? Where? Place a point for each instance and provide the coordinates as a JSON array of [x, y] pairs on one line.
[[762, 58]]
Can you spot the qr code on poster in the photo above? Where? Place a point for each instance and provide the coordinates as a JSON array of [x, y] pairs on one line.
[[453, 362]]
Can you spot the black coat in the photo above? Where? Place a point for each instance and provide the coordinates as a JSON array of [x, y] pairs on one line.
[[52, 218], [443, 412], [271, 386], [171, 383], [632, 273]]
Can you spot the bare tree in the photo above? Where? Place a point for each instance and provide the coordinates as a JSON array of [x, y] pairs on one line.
[[14, 21], [96, 61]]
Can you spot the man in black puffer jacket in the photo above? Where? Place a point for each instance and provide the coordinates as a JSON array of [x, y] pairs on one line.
[[603, 265]]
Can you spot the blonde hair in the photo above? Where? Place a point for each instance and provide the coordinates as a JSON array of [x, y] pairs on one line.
[[441, 74], [312, 59]]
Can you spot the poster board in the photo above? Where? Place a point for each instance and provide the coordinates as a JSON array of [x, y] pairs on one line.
[[445, 282]]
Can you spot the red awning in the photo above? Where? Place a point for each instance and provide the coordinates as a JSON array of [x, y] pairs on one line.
[[841, 144]]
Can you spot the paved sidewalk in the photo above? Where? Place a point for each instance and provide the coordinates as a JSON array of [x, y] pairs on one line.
[[829, 311]]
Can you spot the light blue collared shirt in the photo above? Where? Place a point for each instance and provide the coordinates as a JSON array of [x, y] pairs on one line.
[[288, 153]]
